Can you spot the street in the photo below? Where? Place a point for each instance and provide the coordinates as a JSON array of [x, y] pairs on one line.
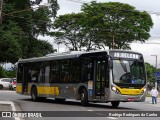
[[69, 107]]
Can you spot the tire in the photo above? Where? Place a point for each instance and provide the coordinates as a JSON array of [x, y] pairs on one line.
[[84, 97], [115, 104], [34, 94], [1, 87]]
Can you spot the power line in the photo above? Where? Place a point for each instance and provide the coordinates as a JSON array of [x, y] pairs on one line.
[[77, 1]]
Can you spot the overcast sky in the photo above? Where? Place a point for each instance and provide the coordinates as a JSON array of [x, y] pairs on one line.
[[151, 47]]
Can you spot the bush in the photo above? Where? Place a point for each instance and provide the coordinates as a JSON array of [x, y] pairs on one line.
[[7, 73]]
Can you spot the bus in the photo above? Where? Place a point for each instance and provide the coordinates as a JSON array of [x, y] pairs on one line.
[[98, 76]]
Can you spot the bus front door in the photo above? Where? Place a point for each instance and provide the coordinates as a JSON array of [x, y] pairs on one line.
[[100, 76]]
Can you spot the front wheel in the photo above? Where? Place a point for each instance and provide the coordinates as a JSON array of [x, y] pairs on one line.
[[34, 94], [84, 97], [115, 104]]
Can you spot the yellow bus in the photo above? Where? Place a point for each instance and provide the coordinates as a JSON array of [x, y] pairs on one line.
[[99, 76]]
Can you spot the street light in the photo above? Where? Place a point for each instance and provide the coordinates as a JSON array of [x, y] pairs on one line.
[[156, 68]]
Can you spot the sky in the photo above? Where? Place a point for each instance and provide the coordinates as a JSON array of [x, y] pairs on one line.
[[151, 47]]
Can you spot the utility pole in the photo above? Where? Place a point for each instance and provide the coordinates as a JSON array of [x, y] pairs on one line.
[[156, 68], [1, 4]]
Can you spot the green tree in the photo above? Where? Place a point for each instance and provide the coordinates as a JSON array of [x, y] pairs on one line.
[[21, 26], [111, 24], [69, 31], [117, 22], [9, 43], [150, 73]]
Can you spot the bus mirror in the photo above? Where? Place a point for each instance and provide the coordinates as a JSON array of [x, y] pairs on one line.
[[110, 64]]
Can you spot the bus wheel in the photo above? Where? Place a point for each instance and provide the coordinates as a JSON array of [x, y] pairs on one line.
[[34, 94], [115, 104], [84, 97]]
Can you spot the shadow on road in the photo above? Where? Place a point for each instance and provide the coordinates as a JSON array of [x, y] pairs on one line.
[[77, 103]]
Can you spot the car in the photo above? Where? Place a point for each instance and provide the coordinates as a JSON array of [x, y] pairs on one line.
[[5, 83], [13, 84]]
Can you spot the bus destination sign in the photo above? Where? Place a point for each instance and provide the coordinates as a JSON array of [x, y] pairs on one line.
[[126, 55]]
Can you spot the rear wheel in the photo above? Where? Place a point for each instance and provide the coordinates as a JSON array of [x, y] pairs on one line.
[[34, 94], [115, 104], [84, 97]]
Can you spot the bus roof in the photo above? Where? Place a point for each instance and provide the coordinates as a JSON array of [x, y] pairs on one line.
[[65, 55], [69, 55]]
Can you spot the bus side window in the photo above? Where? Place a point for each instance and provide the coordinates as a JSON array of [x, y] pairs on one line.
[[65, 71], [55, 71], [46, 67], [75, 70], [87, 70], [35, 71]]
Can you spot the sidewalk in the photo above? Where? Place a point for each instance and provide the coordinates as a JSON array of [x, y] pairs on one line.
[[149, 99], [149, 102], [7, 106]]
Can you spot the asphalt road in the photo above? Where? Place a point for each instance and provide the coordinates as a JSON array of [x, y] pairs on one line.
[[100, 111]]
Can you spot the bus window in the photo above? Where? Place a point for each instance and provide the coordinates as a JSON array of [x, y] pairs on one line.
[[35, 72], [46, 72], [75, 70], [65, 77], [55, 71], [87, 70]]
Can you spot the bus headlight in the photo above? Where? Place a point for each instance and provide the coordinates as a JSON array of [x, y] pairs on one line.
[[144, 90], [114, 89]]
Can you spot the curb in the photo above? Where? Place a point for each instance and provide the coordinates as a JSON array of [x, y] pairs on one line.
[[12, 107]]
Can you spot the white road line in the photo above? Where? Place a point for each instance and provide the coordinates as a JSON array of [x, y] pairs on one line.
[[12, 106], [113, 118], [89, 110]]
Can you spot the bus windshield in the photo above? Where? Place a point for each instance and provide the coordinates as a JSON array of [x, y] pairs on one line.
[[128, 71]]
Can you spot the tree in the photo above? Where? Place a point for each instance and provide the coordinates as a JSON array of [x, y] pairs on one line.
[[9, 43], [69, 31], [111, 24], [118, 24], [151, 70], [22, 24]]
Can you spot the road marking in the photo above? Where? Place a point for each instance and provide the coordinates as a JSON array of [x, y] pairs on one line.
[[6, 91], [100, 114], [113, 118], [12, 106], [89, 110]]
